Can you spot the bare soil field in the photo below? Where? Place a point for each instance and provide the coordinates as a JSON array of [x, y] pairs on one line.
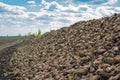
[[6, 51], [7, 40]]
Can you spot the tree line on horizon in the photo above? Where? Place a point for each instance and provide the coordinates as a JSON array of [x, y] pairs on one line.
[[37, 34]]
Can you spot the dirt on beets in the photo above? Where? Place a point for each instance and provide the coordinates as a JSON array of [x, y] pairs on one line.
[[87, 50]]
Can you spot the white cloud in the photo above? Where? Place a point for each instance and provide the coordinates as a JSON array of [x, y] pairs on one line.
[[105, 10], [110, 2], [84, 8], [44, 2], [117, 8], [31, 3], [16, 9]]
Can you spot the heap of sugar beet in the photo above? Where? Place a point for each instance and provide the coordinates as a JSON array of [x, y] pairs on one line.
[[87, 50]]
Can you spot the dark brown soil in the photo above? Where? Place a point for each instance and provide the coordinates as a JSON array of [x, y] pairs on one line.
[[6, 45], [6, 52], [87, 50]]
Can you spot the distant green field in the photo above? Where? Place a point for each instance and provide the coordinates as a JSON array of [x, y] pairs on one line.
[[4, 40]]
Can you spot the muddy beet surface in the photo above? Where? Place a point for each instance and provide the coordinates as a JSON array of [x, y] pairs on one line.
[[87, 50]]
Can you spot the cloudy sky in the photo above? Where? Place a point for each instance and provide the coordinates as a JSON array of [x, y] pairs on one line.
[[23, 16]]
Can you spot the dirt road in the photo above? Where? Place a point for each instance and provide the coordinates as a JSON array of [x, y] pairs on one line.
[[10, 44], [6, 52]]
